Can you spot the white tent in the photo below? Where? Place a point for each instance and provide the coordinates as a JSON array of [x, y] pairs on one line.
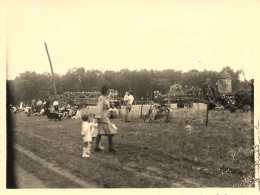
[[176, 90]]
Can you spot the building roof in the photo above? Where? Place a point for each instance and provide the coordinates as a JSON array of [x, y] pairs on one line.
[[224, 74]]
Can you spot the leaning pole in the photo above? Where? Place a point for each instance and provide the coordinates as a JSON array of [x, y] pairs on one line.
[[53, 80]]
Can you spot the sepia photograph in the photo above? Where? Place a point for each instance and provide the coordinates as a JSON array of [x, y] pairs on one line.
[[131, 94]]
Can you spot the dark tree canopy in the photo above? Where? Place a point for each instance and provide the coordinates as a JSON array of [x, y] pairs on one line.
[[30, 85]]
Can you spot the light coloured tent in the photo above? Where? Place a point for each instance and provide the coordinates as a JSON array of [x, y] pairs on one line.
[[176, 90]]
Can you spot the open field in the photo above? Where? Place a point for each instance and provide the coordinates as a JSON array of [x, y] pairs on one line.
[[149, 155]]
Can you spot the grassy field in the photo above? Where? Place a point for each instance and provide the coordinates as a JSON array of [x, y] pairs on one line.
[[181, 153]]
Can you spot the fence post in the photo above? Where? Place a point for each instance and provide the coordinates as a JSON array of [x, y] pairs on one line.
[[142, 108], [119, 111], [207, 117]]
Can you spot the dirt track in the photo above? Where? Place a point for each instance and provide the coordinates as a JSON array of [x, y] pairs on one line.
[[27, 180], [57, 170]]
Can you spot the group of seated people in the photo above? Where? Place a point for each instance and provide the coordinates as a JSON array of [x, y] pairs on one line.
[[42, 108], [112, 111]]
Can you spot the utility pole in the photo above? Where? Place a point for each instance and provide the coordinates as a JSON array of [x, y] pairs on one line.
[[53, 80]]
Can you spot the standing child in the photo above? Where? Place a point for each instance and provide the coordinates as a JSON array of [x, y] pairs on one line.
[[89, 133], [87, 123]]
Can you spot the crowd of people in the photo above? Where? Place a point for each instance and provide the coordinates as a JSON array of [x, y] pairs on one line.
[[94, 126], [45, 107]]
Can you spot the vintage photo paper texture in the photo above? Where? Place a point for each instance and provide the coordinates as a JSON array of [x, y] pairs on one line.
[[135, 96]]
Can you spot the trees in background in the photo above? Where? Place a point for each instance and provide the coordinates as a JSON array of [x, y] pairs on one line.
[[30, 85]]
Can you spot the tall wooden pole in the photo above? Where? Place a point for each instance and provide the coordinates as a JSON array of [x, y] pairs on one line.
[[53, 80]]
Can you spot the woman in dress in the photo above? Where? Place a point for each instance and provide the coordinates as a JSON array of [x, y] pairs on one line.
[[105, 127]]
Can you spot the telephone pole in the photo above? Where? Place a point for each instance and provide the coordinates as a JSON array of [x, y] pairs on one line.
[[53, 80]]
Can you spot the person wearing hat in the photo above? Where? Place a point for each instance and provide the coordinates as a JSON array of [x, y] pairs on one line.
[[128, 107], [56, 106]]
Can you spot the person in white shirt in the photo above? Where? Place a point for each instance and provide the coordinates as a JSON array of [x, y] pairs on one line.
[[125, 98], [128, 107]]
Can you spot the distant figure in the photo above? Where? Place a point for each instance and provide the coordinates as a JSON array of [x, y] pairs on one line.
[[56, 106], [71, 113], [125, 98], [128, 107], [14, 109], [112, 111], [77, 115], [42, 112], [21, 105], [27, 110], [47, 103], [33, 105], [38, 105]]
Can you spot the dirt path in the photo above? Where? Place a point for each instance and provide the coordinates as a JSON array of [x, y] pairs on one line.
[[104, 160], [58, 170], [146, 174], [82, 183], [26, 180]]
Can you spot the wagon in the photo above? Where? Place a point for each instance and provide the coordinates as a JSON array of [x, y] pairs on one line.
[[182, 101], [184, 97]]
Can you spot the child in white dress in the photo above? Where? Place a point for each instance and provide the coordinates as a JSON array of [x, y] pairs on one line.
[[87, 124], [89, 133]]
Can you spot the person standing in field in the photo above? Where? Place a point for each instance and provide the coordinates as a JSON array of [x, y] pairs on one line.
[[128, 107], [105, 127], [125, 98]]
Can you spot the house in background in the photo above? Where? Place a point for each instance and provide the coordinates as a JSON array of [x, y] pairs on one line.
[[224, 83]]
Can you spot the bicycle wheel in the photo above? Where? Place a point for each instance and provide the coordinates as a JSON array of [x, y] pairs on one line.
[[164, 116], [147, 117]]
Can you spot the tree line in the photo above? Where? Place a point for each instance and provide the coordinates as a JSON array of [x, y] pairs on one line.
[[31, 85]]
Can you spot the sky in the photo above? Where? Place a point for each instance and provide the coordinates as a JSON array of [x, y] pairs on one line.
[[113, 35]]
